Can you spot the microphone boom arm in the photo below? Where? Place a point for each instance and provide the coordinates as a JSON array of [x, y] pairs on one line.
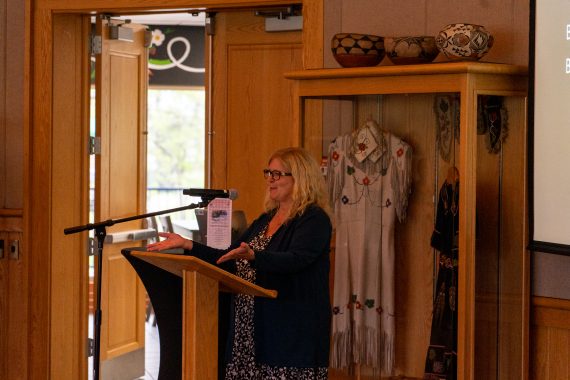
[[111, 222], [100, 233]]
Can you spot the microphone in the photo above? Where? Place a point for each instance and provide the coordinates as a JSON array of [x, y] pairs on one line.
[[211, 193]]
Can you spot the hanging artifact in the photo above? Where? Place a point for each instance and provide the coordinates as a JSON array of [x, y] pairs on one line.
[[492, 120], [446, 109]]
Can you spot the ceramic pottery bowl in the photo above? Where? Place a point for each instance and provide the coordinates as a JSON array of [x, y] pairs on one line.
[[464, 42], [410, 50], [357, 50]]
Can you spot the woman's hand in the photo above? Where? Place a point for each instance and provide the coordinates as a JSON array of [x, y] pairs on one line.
[[241, 252], [172, 241]]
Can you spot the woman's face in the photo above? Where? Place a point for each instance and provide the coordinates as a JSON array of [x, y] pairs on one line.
[[280, 190]]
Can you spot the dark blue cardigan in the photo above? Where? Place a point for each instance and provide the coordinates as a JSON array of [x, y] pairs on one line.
[[292, 330]]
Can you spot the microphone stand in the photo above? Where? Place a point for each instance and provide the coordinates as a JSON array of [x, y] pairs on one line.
[[100, 234]]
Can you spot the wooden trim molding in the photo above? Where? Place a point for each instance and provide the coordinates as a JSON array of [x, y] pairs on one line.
[[130, 6], [11, 212], [547, 247], [11, 220], [313, 33], [11, 223], [551, 312]]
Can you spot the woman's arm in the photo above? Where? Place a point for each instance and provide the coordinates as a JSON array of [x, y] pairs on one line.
[[172, 241], [211, 255]]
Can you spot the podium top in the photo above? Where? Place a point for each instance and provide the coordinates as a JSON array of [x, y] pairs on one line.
[[177, 264]]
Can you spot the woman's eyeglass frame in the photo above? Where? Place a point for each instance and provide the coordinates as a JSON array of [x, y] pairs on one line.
[[275, 174]]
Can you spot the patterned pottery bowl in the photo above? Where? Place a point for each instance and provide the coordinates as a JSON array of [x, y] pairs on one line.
[[411, 50], [357, 50], [464, 42]]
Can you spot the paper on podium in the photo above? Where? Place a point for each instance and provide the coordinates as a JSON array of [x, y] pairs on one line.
[[219, 224]]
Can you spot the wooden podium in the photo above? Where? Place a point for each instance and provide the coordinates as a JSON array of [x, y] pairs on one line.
[[184, 294]]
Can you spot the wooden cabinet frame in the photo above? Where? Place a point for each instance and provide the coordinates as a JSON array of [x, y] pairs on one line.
[[468, 79]]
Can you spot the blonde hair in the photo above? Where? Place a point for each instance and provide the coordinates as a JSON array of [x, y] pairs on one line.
[[309, 187]]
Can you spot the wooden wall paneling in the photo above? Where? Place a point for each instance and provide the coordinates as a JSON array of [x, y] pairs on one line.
[[501, 257], [367, 107], [419, 260], [4, 299], [337, 119], [3, 60], [388, 18], [13, 304], [313, 28], [550, 339], [70, 196], [312, 123], [253, 109], [332, 24], [539, 353], [558, 363], [4, 274], [411, 117], [12, 38], [514, 287], [13, 101], [334, 115], [487, 260], [18, 315], [315, 111], [270, 120], [218, 105], [38, 203], [507, 20]]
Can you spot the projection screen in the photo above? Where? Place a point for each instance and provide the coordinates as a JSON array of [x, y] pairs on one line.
[[549, 124]]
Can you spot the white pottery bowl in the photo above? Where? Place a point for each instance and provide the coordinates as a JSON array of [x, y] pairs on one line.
[[464, 42]]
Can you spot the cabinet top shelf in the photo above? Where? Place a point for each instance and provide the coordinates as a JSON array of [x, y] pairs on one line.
[[408, 70]]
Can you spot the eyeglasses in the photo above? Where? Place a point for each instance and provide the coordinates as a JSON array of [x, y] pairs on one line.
[[275, 174]]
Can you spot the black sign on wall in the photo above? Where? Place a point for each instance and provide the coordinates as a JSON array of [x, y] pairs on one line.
[[176, 56]]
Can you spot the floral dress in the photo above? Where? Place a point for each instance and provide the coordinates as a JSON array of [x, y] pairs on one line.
[[242, 365]]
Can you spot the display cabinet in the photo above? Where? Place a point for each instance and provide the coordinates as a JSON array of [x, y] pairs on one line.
[[493, 275]]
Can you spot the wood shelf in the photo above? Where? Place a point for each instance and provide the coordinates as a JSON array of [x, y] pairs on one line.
[[403, 70]]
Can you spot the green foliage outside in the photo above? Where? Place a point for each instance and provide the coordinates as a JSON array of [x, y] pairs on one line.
[[175, 149], [176, 138]]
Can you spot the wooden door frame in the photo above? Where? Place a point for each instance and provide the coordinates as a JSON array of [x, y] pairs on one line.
[[48, 187]]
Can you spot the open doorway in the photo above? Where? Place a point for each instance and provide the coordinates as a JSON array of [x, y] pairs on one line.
[[58, 170], [175, 153]]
